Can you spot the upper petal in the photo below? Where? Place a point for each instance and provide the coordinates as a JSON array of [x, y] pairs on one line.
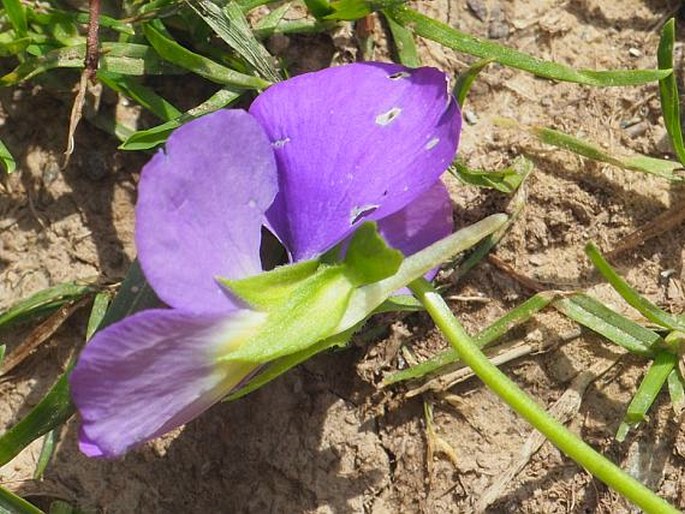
[[201, 206], [154, 371], [424, 221], [354, 143]]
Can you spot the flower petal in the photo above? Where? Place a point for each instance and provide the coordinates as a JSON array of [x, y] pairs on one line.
[[353, 143], [421, 223], [200, 209], [155, 371]]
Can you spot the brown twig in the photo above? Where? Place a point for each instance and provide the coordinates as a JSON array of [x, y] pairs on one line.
[[39, 335]]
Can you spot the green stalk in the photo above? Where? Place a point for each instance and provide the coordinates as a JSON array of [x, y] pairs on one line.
[[524, 405]]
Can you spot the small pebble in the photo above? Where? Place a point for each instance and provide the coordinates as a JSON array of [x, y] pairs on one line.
[[470, 117], [634, 52], [478, 8], [637, 130], [498, 30]]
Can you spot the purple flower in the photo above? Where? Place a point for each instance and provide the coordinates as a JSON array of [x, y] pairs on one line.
[[315, 157]]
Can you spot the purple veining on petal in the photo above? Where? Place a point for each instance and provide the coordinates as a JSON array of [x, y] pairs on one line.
[[201, 207], [152, 372], [338, 157]]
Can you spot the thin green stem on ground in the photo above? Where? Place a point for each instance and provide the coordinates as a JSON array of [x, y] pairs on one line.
[[524, 405]]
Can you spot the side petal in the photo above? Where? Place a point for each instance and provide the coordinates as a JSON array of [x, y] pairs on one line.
[[353, 143], [200, 209], [421, 223], [153, 372]]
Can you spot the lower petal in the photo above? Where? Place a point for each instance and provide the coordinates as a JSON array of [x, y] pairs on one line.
[[153, 372]]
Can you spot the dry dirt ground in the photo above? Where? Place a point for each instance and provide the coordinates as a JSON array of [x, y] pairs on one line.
[[325, 438]]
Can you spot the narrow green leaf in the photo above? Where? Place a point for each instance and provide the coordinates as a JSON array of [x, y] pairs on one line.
[[400, 303], [668, 88], [676, 390], [155, 136], [275, 369], [203, 66], [350, 10], [146, 97], [3, 350], [461, 42], [248, 5], [16, 14], [56, 408], [97, 313], [318, 8], [597, 317], [274, 23], [630, 295], [664, 363], [492, 333], [62, 507], [10, 45], [10, 503], [52, 411], [45, 301], [230, 24], [466, 78], [6, 159], [506, 180], [667, 169], [404, 43], [124, 58], [46, 452]]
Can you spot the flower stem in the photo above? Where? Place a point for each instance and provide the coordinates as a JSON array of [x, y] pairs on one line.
[[524, 405]]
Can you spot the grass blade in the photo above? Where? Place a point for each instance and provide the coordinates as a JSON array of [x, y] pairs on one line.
[[664, 363], [630, 295], [676, 390], [146, 97], [10, 503], [466, 78], [461, 42], [155, 136], [597, 317], [405, 46], [123, 58], [231, 25], [501, 326], [45, 301], [16, 14], [6, 159], [666, 169], [203, 66], [46, 452], [56, 408], [668, 88], [506, 180]]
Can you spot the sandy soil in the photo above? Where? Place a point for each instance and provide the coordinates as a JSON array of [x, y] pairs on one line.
[[325, 437]]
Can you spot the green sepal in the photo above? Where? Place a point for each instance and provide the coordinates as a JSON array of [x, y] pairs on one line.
[[272, 287], [369, 259], [310, 313]]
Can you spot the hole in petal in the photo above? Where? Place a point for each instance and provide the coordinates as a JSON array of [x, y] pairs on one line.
[[432, 143], [388, 117], [280, 143], [360, 212], [399, 75], [252, 203]]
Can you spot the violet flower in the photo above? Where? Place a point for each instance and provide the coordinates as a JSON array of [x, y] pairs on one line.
[[315, 156]]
